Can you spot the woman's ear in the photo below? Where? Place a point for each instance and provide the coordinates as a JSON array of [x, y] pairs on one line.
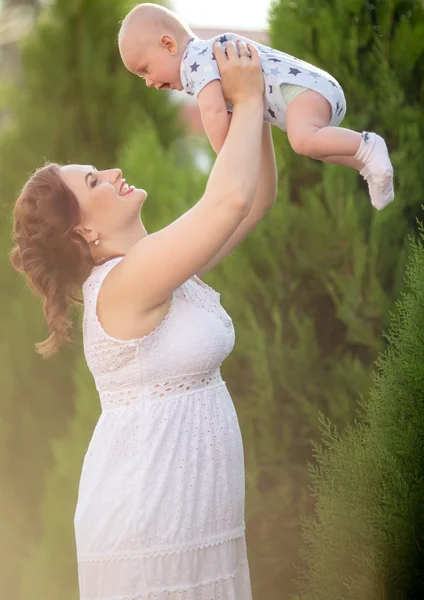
[[86, 233]]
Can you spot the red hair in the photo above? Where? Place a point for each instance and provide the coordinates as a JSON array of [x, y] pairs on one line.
[[54, 258]]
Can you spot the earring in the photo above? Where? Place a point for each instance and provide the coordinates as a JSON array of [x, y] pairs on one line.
[[96, 242]]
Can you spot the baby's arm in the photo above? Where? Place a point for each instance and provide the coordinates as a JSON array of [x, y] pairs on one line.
[[213, 110]]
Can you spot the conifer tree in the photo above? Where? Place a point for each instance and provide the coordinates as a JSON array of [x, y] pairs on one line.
[[366, 540]]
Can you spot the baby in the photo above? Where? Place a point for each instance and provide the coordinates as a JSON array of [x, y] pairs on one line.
[[301, 99]]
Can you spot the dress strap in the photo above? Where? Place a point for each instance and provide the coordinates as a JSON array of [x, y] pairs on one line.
[[92, 284]]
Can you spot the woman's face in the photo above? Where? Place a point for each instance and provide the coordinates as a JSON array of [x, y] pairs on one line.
[[107, 203]]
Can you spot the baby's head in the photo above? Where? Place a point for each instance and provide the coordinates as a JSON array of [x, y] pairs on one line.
[[152, 40]]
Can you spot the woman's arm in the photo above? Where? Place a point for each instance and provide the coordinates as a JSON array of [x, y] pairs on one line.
[[159, 263], [264, 198]]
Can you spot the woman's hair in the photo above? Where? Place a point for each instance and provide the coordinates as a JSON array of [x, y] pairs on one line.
[[54, 258]]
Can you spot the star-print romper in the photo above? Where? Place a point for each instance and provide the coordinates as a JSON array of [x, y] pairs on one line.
[[198, 68], [160, 511]]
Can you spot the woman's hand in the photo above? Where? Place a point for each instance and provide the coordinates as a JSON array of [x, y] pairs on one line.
[[242, 79]]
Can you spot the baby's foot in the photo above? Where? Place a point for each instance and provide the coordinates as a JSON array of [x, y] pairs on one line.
[[378, 170], [382, 193]]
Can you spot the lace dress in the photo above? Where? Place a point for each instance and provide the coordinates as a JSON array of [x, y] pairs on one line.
[[160, 511]]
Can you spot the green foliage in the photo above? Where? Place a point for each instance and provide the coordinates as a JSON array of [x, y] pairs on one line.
[[173, 184], [366, 540], [77, 102]]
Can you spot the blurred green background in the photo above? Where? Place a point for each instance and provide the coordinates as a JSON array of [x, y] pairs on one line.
[[310, 292]]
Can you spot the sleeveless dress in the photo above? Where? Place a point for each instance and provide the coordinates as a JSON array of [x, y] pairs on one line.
[[160, 510]]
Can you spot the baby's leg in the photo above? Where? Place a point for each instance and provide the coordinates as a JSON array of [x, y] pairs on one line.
[[308, 116], [347, 161], [307, 119]]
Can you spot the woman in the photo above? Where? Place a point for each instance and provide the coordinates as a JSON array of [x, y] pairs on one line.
[[160, 510]]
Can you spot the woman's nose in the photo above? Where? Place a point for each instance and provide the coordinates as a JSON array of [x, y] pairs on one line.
[[112, 174]]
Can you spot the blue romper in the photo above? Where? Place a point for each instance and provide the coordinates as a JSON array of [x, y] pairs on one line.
[[199, 67]]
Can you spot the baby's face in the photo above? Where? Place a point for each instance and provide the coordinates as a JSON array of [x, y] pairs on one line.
[[160, 69], [155, 63]]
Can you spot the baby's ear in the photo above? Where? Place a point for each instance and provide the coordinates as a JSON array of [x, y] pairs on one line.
[[168, 42]]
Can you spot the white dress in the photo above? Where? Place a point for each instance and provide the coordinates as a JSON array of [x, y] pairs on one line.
[[160, 511]]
